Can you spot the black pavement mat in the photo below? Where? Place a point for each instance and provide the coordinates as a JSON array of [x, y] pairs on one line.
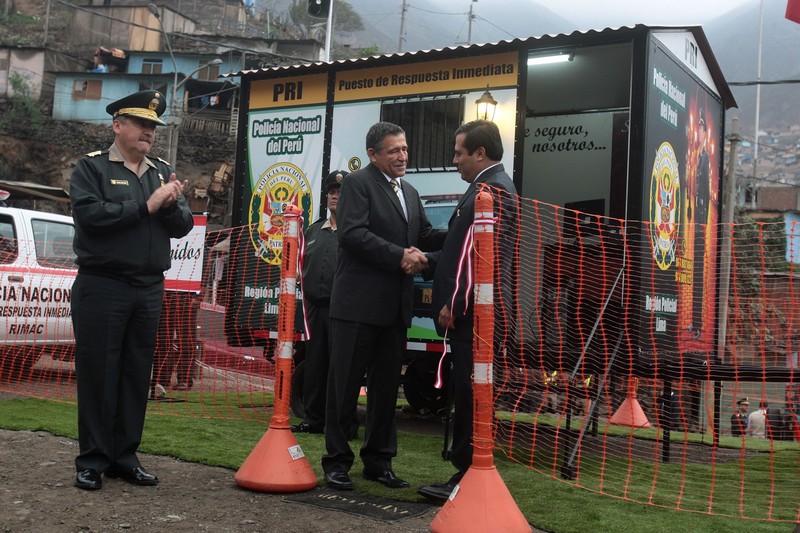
[[359, 504], [166, 400]]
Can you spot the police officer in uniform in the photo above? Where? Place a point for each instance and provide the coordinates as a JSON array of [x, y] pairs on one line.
[[739, 418], [126, 207], [319, 266]]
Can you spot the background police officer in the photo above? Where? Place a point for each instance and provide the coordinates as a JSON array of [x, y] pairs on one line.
[[319, 266]]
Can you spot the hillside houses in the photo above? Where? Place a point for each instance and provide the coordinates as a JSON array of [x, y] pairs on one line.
[[774, 196], [110, 49], [778, 161]]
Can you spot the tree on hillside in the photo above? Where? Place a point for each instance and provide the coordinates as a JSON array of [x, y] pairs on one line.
[[347, 52]]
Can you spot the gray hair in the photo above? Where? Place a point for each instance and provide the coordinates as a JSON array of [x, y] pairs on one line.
[[378, 131]]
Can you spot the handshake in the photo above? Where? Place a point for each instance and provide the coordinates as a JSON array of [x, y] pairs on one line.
[[414, 261]]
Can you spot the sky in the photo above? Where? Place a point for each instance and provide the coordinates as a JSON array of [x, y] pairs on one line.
[[621, 12], [612, 13]]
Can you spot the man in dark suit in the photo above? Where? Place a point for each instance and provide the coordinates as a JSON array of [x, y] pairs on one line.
[[380, 224], [478, 151]]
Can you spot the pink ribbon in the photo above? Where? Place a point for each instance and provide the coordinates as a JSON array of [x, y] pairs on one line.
[[301, 241], [464, 262]]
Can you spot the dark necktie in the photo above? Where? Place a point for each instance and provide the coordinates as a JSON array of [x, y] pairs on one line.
[[396, 188]]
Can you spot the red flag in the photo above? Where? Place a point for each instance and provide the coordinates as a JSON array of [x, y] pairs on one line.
[[793, 10]]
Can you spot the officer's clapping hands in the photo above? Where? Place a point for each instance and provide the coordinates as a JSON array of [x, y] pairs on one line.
[[167, 194]]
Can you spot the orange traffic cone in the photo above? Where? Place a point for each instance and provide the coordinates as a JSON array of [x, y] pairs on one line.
[[277, 463], [630, 413], [481, 502]]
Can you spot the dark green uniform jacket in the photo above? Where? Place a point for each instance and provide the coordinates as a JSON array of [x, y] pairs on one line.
[[319, 264], [115, 236]]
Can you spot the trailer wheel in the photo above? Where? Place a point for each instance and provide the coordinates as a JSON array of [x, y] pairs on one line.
[[421, 395], [296, 400]]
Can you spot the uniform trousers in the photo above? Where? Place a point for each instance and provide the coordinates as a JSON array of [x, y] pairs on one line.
[[357, 348], [115, 332], [316, 364]]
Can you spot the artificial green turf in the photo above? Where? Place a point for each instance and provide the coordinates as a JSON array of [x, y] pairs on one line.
[[547, 503]]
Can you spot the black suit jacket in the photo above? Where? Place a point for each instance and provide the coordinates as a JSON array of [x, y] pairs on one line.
[[445, 263], [369, 286]]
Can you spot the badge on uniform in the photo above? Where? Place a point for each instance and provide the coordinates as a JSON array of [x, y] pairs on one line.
[[119, 182]]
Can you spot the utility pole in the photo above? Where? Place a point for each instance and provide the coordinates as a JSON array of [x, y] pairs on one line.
[[175, 109], [401, 43], [758, 96], [328, 32], [172, 127], [727, 210], [727, 219], [469, 27], [46, 23]]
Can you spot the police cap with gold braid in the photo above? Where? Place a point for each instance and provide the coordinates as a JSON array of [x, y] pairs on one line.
[[147, 105]]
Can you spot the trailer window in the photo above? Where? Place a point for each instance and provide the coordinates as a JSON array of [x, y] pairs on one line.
[[429, 124]]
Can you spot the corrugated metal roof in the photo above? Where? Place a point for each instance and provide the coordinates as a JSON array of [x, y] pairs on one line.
[[696, 31]]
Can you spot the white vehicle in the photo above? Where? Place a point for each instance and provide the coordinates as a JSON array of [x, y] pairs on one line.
[[37, 269], [37, 265]]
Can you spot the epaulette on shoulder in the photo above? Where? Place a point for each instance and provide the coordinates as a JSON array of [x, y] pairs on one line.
[[163, 161], [94, 154]]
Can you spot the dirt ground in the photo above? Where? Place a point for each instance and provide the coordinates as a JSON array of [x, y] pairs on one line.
[[37, 494]]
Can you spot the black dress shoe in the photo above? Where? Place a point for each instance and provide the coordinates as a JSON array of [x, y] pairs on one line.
[[439, 492], [304, 427], [88, 480], [387, 479], [134, 476], [339, 481]]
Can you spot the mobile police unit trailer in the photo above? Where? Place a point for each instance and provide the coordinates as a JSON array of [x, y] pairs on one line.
[[599, 130]]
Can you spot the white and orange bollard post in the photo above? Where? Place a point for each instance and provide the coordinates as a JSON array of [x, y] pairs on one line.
[[481, 502], [277, 463]]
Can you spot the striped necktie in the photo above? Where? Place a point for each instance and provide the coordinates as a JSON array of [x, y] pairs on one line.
[[396, 188]]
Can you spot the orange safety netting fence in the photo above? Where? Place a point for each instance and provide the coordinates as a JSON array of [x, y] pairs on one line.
[[614, 376], [623, 359]]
